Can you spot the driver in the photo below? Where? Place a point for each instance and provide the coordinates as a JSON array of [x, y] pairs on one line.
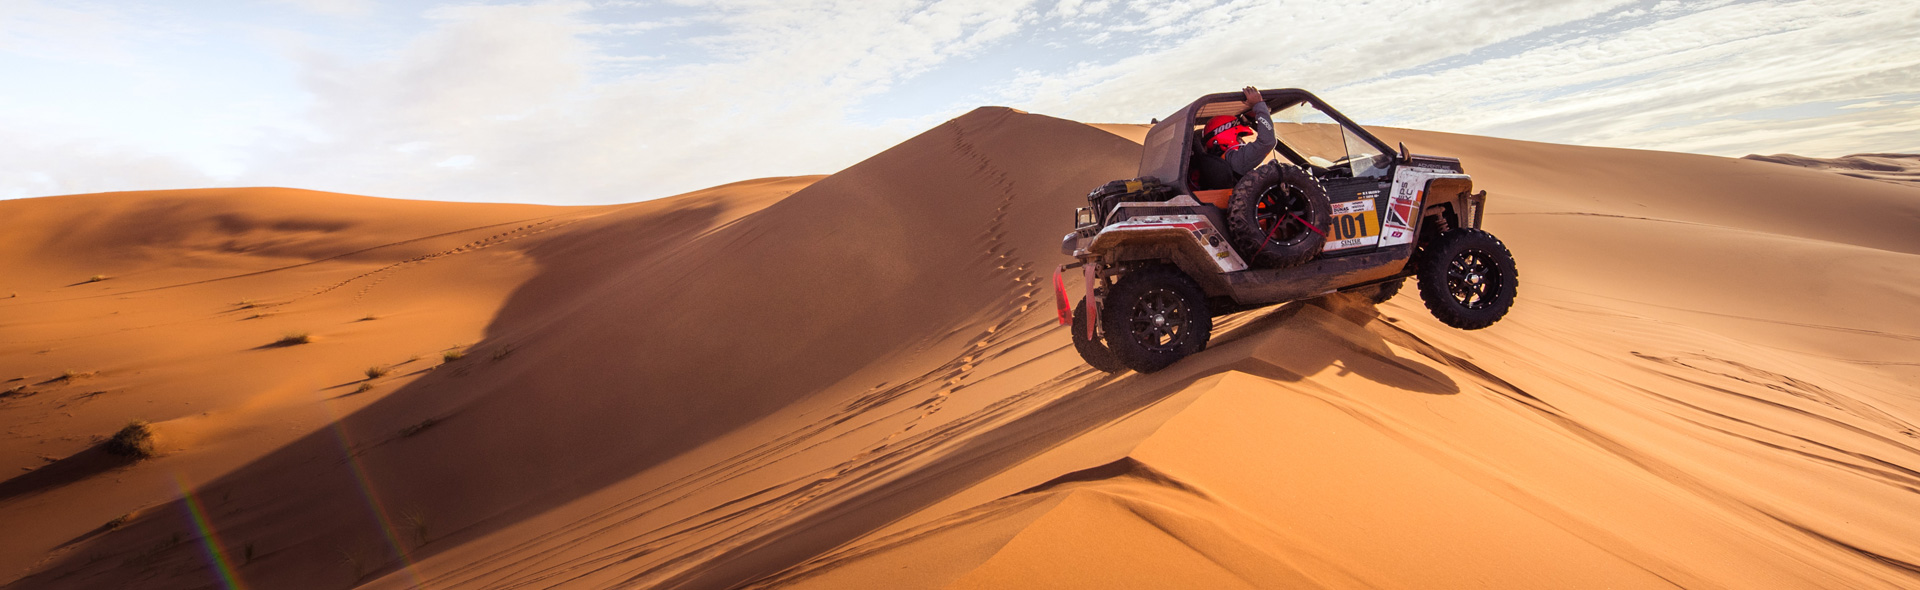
[[1220, 157]]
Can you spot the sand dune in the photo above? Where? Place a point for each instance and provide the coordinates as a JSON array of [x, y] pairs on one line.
[[1895, 168], [856, 381]]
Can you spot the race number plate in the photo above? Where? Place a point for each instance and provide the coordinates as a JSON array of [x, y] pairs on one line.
[[1355, 224]]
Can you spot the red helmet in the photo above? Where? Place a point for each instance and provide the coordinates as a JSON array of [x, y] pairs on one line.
[[1224, 132]]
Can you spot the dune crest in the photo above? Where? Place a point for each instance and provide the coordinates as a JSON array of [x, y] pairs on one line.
[[857, 381], [1895, 168]]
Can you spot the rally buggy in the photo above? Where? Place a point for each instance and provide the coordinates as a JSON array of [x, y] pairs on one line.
[[1334, 209]]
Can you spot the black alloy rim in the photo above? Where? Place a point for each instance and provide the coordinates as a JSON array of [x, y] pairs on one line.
[[1471, 280], [1158, 320], [1282, 205]]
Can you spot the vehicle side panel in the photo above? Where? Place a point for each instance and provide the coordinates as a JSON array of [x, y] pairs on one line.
[[1315, 278]]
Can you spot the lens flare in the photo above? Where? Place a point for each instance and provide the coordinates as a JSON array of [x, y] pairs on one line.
[[222, 566], [374, 505]]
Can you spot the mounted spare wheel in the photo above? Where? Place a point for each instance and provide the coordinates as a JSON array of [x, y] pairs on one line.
[[1093, 350], [1278, 216], [1155, 316], [1467, 278]]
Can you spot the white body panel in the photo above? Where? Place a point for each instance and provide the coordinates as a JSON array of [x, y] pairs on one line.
[[1403, 206], [1196, 227]]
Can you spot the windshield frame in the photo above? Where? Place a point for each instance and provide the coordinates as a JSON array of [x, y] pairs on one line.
[[1347, 125]]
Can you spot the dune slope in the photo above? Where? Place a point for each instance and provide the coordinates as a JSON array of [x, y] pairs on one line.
[[857, 381]]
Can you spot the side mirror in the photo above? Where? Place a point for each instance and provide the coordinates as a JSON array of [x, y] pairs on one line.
[[1404, 156]]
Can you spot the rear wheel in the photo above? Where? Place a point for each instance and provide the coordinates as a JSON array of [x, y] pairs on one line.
[[1277, 215], [1467, 278], [1385, 291], [1094, 351], [1154, 317]]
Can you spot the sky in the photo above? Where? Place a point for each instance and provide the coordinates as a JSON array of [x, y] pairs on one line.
[[613, 101]]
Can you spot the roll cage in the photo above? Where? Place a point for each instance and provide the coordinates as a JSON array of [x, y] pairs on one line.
[[1169, 144]]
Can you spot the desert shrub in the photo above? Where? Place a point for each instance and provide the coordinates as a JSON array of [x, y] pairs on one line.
[[135, 440], [416, 521], [451, 355], [292, 338]]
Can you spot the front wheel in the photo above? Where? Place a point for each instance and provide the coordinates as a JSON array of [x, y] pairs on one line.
[[1094, 351], [1154, 317], [1467, 278]]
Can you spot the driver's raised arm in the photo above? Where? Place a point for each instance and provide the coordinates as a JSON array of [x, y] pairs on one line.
[[1249, 156]]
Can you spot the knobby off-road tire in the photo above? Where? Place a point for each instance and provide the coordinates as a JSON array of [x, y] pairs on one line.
[[1284, 195], [1095, 352], [1384, 291], [1467, 278], [1154, 317]]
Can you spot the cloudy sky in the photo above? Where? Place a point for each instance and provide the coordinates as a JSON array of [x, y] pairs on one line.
[[604, 101]]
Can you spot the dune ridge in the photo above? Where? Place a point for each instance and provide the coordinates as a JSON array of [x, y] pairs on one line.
[[1894, 168], [856, 380]]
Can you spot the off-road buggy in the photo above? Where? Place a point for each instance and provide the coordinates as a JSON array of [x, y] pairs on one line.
[[1333, 210]]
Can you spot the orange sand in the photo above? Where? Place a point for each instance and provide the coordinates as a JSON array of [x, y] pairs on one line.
[[857, 381]]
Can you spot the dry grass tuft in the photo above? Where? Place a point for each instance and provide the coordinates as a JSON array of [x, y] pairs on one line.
[[451, 355], [363, 388], [97, 278], [416, 521], [135, 441], [361, 560], [378, 371], [292, 338]]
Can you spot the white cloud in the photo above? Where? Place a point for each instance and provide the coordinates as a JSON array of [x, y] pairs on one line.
[[510, 89], [333, 7]]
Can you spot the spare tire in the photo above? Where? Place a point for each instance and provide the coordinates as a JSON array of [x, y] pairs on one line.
[[1269, 216]]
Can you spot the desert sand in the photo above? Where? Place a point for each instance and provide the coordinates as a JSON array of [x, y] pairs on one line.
[[858, 381]]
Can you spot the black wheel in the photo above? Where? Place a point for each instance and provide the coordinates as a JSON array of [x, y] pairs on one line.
[[1269, 214], [1381, 293], [1155, 317], [1467, 278], [1093, 351]]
